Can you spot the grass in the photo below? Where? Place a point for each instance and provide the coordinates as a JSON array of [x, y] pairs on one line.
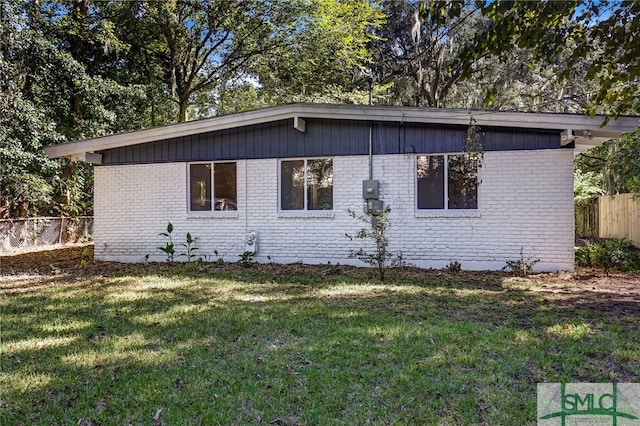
[[204, 344]]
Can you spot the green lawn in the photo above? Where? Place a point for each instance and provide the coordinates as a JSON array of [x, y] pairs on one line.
[[215, 344]]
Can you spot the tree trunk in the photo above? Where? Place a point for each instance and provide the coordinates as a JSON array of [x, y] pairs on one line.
[[183, 110]]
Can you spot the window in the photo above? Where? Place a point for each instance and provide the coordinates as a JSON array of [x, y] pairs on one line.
[[213, 186], [447, 182], [306, 184]]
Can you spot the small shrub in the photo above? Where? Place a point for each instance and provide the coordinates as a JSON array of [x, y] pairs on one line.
[[246, 258], [83, 258], [521, 267], [618, 253], [375, 230], [218, 257], [582, 256], [333, 269], [453, 267]]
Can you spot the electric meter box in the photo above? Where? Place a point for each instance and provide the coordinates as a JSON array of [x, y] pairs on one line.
[[370, 189], [375, 205]]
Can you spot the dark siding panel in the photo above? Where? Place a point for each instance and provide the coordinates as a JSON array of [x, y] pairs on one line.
[[325, 138], [258, 141], [171, 150], [226, 152], [352, 144], [386, 138], [201, 146], [424, 139], [438, 142], [241, 148], [313, 135], [251, 135], [166, 150], [504, 141], [135, 151], [280, 141], [273, 142], [209, 141], [272, 138], [335, 143], [490, 139], [270, 143], [296, 143], [410, 138], [217, 149], [177, 149], [267, 137]]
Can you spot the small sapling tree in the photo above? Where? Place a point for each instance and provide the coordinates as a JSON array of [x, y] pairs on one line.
[[376, 231]]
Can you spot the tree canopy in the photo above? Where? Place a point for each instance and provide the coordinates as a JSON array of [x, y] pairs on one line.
[[73, 69]]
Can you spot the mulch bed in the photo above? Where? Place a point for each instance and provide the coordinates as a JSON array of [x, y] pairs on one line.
[[587, 283], [46, 260]]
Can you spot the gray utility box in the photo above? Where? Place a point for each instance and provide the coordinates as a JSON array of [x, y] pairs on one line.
[[370, 189], [375, 205]]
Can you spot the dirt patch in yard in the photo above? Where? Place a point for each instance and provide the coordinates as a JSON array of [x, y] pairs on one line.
[[47, 260]]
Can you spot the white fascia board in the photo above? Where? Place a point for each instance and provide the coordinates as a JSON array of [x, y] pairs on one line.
[[614, 128], [555, 121]]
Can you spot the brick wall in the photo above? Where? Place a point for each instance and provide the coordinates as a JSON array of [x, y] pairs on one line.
[[525, 201]]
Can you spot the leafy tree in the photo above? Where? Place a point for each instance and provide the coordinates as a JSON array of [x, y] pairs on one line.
[[618, 162], [27, 176], [520, 83], [436, 59], [604, 33], [48, 98], [325, 56], [615, 62], [586, 185], [421, 56], [197, 45], [26, 173]]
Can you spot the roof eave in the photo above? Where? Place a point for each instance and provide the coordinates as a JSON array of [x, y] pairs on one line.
[[613, 129]]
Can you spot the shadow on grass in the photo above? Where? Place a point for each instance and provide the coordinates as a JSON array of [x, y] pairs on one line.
[[247, 346]]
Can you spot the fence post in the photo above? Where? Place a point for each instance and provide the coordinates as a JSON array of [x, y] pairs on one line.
[[61, 229]]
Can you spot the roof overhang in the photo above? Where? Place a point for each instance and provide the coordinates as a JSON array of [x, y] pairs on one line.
[[584, 131]]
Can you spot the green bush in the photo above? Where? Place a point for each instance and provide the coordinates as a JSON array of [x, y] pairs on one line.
[[619, 254]]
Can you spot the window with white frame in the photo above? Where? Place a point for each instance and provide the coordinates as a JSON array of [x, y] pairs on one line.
[[447, 182], [306, 184], [212, 186]]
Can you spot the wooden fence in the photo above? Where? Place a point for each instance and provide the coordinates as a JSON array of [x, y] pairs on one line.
[[610, 216]]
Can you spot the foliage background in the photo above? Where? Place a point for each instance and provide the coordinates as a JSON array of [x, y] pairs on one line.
[[74, 69]]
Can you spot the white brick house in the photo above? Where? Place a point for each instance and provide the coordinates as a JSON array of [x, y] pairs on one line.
[[290, 174]]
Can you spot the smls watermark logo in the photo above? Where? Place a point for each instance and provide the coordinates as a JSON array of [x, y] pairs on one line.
[[592, 404]]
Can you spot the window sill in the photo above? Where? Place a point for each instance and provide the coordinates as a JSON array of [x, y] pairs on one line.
[[307, 214], [213, 215], [447, 213]]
